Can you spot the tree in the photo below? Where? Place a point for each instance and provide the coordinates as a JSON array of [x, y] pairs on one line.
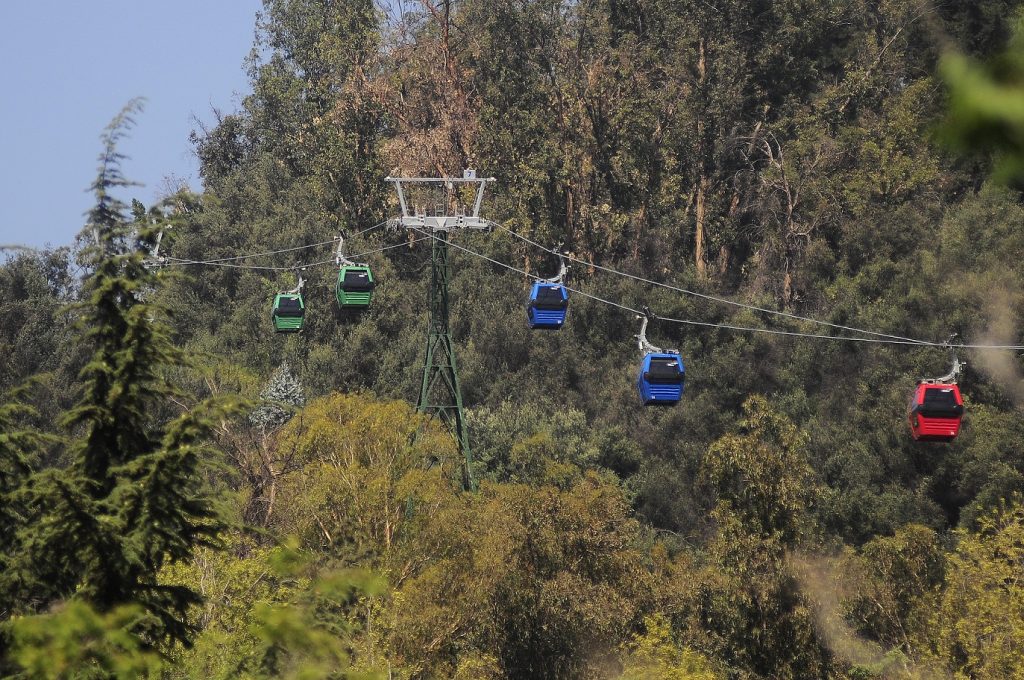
[[526, 582], [358, 470], [762, 476], [985, 112], [282, 391], [35, 289], [655, 656], [276, 632], [977, 630], [131, 500], [530, 444], [751, 602], [254, 450], [891, 580], [19, 446], [77, 641], [279, 614]]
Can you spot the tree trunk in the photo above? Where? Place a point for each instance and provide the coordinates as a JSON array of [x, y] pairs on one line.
[[700, 207], [700, 210]]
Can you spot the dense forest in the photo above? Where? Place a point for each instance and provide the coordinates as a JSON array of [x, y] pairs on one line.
[[185, 493]]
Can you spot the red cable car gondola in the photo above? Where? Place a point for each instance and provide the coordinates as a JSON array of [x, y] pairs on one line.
[[937, 407], [935, 412]]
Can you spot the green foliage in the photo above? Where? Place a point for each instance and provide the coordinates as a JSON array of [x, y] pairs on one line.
[[277, 633], [655, 656], [130, 502], [76, 641], [232, 581], [762, 476], [19, 445], [751, 606], [19, 449], [272, 612], [547, 583], [986, 105], [893, 580], [977, 629], [531, 444], [748, 599], [359, 469], [35, 337], [291, 640]]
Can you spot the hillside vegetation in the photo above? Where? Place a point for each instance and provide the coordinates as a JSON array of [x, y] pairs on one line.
[[186, 494]]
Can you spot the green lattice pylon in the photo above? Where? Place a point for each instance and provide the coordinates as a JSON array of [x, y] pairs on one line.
[[440, 393]]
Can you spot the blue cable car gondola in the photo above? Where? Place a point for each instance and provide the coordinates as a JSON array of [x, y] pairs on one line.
[[662, 373], [549, 300], [548, 305], [661, 378]]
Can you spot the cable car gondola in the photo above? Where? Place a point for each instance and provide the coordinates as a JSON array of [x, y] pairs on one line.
[[935, 412], [662, 374], [549, 300], [937, 407], [355, 287], [548, 305], [661, 379], [355, 282], [289, 310]]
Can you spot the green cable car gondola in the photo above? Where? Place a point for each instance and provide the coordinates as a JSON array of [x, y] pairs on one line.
[[289, 309], [288, 312], [355, 286]]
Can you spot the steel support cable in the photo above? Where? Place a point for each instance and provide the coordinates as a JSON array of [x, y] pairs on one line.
[[748, 329], [273, 252], [320, 263], [714, 298], [221, 260]]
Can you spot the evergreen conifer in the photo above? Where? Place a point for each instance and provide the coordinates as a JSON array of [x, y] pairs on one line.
[[131, 500], [282, 391], [17, 445]]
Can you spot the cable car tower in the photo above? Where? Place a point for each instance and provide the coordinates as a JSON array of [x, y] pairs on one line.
[[439, 206]]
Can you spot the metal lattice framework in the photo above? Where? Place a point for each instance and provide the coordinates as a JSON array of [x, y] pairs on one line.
[[439, 206]]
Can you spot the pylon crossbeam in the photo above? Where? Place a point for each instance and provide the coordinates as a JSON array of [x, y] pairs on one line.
[[447, 215]]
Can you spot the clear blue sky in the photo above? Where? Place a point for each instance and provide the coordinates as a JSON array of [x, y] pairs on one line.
[[68, 66]]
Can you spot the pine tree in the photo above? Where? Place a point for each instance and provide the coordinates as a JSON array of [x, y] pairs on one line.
[[131, 500], [17, 446], [283, 390]]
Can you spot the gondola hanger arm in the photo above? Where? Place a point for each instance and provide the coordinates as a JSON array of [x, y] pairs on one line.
[[339, 254], [954, 372], [642, 342], [563, 267], [297, 290]]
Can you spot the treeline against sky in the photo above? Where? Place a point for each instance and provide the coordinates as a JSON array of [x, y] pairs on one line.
[[188, 494]]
